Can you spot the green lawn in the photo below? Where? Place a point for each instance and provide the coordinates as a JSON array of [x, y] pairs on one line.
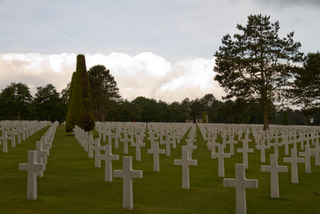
[[71, 183]]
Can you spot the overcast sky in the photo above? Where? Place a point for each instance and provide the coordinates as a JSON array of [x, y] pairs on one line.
[[161, 49]]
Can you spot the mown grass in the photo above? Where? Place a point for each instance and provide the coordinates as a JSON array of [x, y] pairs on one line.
[[71, 183]]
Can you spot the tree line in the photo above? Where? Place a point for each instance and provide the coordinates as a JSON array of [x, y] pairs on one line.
[[16, 103]]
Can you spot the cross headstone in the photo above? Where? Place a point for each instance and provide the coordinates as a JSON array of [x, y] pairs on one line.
[[12, 133], [86, 143], [116, 137], [138, 144], [316, 152], [262, 147], [190, 147], [294, 160], [274, 168], [307, 155], [125, 141], [185, 162], [167, 142], [32, 167], [4, 138], [41, 156], [108, 157], [127, 174], [245, 150], [220, 155], [155, 151], [240, 183]]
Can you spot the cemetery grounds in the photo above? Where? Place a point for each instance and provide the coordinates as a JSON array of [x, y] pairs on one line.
[[72, 183]]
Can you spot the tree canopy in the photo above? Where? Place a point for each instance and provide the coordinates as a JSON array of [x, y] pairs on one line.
[[306, 87], [16, 100], [104, 91], [257, 65]]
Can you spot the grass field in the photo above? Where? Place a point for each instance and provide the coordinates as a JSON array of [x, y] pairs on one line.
[[71, 183]]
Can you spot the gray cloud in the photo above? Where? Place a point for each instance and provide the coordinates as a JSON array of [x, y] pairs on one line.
[[289, 3]]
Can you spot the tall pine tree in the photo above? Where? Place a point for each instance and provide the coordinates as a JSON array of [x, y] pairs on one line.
[[257, 65]]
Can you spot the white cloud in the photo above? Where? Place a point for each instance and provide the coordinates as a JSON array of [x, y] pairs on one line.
[[145, 74]]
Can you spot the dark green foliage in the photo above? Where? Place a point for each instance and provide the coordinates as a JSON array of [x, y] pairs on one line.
[[48, 103], [257, 65], [80, 112], [285, 119], [16, 102], [306, 90], [69, 126], [104, 91], [204, 117]]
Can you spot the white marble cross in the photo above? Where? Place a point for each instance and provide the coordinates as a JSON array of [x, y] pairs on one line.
[[116, 138], [167, 142], [138, 144], [108, 157], [212, 144], [307, 155], [220, 155], [262, 147], [190, 147], [12, 133], [316, 152], [125, 141], [4, 138], [32, 167], [294, 160], [127, 174], [286, 142], [185, 162], [274, 168], [240, 183], [41, 156], [86, 143], [245, 150], [96, 148], [155, 151]]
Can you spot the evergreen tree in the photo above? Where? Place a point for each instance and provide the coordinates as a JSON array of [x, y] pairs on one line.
[[104, 91], [80, 112], [285, 119], [257, 65], [204, 117], [69, 125]]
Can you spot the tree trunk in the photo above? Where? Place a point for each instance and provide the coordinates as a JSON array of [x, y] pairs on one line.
[[265, 117]]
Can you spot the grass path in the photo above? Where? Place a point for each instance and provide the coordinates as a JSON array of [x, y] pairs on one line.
[[71, 183]]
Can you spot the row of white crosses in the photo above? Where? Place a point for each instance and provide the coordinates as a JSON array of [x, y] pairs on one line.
[[127, 174], [136, 131], [240, 183], [37, 161], [21, 129]]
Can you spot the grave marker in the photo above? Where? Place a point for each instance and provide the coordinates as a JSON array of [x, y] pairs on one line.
[[185, 162], [32, 167], [274, 168], [240, 183], [155, 151], [220, 155], [108, 157], [127, 174], [245, 150], [4, 138], [294, 160], [307, 155]]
